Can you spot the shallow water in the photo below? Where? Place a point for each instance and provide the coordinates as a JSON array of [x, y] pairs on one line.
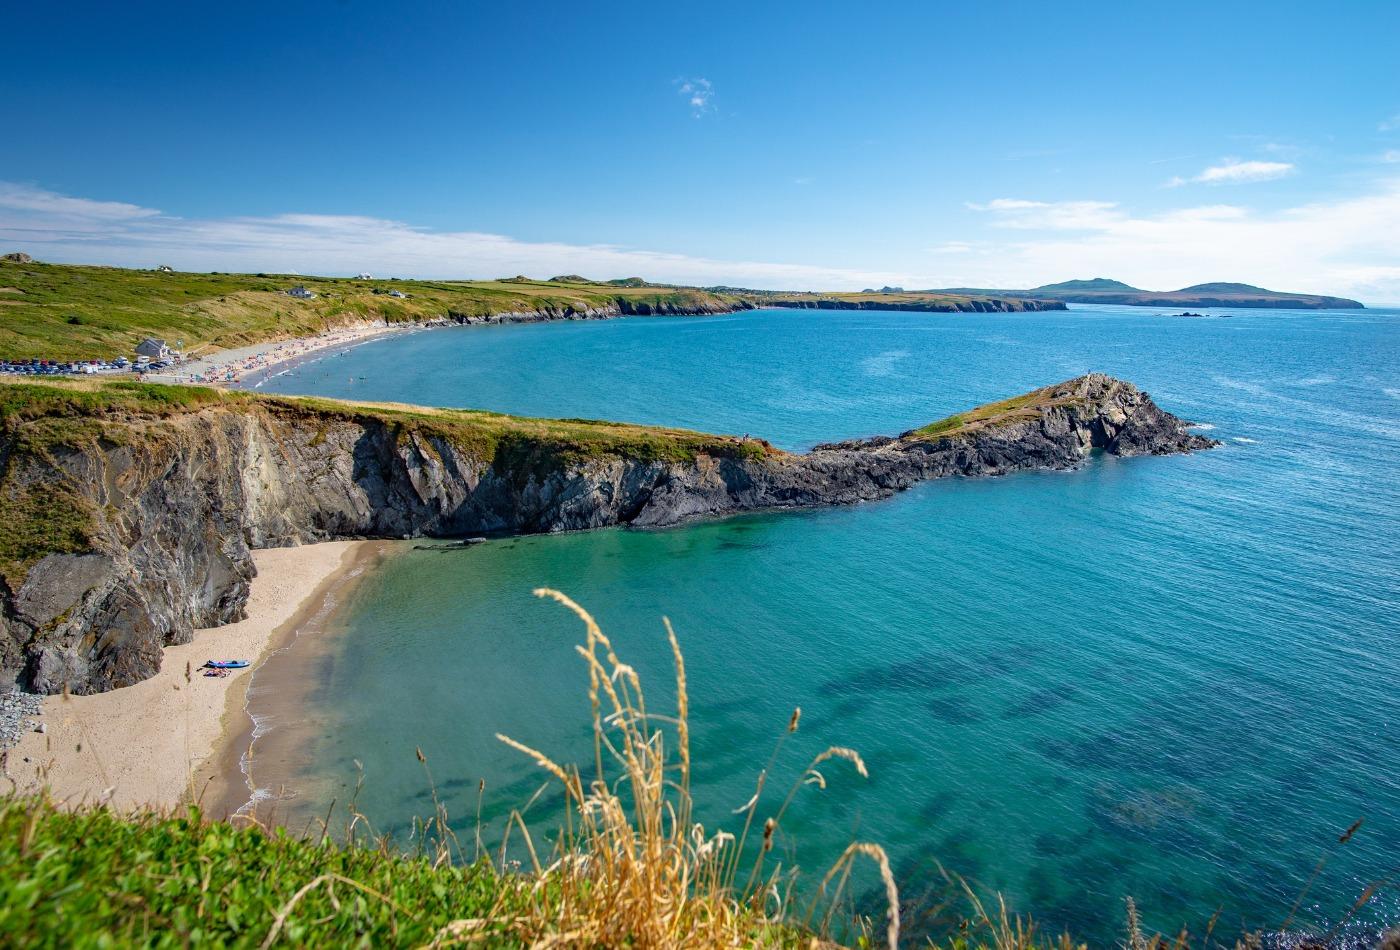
[[1173, 678]]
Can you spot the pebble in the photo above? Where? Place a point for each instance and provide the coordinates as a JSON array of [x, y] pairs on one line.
[[17, 709]]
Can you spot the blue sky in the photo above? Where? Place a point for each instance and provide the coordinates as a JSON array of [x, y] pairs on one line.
[[784, 145]]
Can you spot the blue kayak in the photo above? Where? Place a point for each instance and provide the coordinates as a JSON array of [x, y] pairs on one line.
[[226, 664]]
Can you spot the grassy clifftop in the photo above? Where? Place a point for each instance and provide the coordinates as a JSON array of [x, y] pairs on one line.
[[59, 408], [38, 418], [66, 312], [1005, 412]]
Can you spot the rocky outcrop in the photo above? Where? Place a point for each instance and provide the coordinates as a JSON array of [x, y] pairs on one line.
[[179, 499], [632, 307]]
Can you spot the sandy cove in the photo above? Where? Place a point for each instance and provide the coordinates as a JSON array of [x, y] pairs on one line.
[[144, 744]]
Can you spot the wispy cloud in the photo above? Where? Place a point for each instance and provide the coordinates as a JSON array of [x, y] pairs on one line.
[[1390, 124], [698, 93], [25, 198], [1391, 156], [803, 180], [57, 227], [1235, 172], [1349, 246], [1049, 215]]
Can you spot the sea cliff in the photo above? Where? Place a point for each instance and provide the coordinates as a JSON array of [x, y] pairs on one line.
[[129, 511], [913, 302]]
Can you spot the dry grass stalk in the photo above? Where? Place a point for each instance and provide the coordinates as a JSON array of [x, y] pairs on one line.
[[633, 867]]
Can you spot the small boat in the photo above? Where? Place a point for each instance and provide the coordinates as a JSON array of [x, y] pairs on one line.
[[226, 664]]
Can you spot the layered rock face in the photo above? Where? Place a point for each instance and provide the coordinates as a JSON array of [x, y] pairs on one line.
[[181, 499], [621, 307]]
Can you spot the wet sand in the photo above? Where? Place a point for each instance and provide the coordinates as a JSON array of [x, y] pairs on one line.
[[153, 743], [241, 785]]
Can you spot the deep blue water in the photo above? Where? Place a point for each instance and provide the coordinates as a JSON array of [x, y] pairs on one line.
[[1176, 678]]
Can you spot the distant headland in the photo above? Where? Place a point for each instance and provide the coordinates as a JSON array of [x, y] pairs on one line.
[[65, 312], [1219, 294]]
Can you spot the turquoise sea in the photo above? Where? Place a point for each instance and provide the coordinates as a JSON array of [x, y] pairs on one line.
[[1172, 678]]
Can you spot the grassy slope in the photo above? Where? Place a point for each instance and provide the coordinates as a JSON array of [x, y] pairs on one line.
[[61, 311], [1007, 411], [37, 417], [93, 879]]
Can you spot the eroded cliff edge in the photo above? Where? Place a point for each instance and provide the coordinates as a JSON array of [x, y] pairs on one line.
[[129, 510]]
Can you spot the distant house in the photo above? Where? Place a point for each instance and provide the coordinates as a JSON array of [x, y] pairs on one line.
[[364, 277], [152, 348], [301, 293], [166, 269], [398, 293]]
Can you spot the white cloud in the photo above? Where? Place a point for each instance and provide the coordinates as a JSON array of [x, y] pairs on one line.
[[1048, 215], [1235, 172], [59, 228], [698, 93], [1347, 247], [1390, 124], [1391, 157]]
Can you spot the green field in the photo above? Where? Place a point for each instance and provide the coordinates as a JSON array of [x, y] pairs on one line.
[[63, 312], [72, 312]]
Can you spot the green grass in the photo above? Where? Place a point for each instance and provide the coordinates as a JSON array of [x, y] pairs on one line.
[[94, 879], [1019, 408], [61, 311], [65, 312]]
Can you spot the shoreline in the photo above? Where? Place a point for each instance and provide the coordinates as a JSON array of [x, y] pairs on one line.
[[241, 365], [229, 789], [157, 743]]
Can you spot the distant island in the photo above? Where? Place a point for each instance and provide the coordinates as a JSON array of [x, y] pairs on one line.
[[1219, 294]]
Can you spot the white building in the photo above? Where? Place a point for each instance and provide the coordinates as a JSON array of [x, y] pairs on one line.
[[152, 348], [301, 293], [364, 277]]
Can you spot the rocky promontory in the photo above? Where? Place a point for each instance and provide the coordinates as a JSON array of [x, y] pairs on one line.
[[129, 510]]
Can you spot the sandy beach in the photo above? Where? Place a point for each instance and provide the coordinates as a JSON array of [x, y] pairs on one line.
[[145, 744], [232, 367]]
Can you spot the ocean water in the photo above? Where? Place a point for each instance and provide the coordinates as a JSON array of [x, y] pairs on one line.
[[1173, 678]]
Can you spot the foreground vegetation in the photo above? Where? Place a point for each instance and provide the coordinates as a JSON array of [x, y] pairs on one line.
[[631, 867], [70, 312]]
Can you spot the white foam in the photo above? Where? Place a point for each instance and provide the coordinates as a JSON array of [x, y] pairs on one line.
[[1203, 426], [1240, 438]]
